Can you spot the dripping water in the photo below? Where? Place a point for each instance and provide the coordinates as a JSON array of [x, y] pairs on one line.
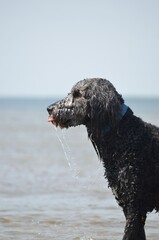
[[92, 177], [68, 154]]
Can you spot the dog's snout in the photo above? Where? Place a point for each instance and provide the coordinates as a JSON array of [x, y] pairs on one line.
[[49, 109]]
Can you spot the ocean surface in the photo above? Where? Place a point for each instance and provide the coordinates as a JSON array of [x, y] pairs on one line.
[[51, 181]]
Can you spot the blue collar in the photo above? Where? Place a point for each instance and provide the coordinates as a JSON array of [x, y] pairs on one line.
[[124, 109]]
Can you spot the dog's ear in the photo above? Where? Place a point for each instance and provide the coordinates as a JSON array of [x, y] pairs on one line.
[[105, 108]]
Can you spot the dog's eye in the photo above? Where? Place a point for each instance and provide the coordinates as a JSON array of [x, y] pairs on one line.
[[77, 94]]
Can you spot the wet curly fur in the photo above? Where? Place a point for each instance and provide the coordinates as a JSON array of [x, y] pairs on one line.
[[128, 147]]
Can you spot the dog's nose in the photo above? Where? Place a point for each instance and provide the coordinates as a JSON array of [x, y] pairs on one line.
[[49, 109]]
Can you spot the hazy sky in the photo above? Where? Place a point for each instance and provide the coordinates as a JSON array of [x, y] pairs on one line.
[[46, 46]]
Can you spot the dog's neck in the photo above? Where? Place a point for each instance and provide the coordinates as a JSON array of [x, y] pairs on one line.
[[107, 129], [124, 109], [97, 136]]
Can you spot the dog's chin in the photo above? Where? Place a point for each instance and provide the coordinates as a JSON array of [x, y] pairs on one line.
[[60, 123], [64, 124]]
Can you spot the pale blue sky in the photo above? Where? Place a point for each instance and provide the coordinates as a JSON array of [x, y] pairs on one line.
[[46, 46]]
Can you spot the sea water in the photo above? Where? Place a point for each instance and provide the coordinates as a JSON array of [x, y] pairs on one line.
[[51, 181]]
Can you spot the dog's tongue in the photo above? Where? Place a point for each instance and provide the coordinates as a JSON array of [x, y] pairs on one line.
[[50, 119]]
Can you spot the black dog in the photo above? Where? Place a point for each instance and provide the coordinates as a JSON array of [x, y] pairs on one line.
[[128, 147]]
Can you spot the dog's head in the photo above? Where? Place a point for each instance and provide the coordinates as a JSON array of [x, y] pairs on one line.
[[92, 102]]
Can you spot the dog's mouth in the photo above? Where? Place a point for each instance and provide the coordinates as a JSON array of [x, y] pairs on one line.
[[62, 123], [51, 119]]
